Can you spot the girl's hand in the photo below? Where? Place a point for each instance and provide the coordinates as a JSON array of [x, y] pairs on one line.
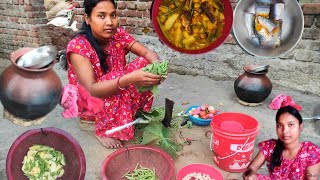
[[142, 78], [250, 175], [152, 56], [140, 50]]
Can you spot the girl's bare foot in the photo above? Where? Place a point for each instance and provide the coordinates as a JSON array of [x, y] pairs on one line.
[[110, 142]]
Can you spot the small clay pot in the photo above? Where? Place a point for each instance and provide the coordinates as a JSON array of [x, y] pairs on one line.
[[29, 93], [253, 86]]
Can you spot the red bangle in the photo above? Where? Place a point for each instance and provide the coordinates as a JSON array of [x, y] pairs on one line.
[[119, 84]]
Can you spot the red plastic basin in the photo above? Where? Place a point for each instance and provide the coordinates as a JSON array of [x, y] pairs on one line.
[[228, 14], [199, 168], [125, 159], [62, 141]]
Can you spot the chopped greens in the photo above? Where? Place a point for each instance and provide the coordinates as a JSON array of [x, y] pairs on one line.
[[158, 68], [142, 173], [43, 162]]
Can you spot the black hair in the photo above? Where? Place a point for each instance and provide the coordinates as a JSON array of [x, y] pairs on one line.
[[276, 155], [86, 31]]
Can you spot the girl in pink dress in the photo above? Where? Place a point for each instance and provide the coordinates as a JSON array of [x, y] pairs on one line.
[[287, 158], [96, 61]]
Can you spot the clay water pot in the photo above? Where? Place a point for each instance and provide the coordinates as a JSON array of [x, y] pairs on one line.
[[29, 93], [253, 86]]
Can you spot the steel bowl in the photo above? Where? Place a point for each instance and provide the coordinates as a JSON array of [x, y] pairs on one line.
[[292, 29], [38, 57]]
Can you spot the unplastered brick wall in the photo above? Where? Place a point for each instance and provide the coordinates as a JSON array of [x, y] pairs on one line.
[[22, 24], [134, 16], [310, 43]]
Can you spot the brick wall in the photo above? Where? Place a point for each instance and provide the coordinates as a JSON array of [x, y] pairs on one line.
[[134, 16], [22, 24]]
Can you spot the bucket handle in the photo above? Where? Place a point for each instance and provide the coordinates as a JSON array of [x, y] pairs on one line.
[[230, 154]]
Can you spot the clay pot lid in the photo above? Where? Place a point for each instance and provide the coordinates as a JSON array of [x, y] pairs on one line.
[[256, 69]]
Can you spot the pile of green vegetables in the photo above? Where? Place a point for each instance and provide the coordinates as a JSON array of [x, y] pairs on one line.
[[155, 133], [158, 68], [142, 173], [43, 162]]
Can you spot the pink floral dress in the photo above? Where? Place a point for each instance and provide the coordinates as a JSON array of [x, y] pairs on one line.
[[118, 109], [296, 168]]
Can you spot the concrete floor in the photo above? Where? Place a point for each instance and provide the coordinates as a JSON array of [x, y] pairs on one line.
[[185, 91]]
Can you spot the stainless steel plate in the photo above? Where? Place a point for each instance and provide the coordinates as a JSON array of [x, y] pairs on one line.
[[38, 58], [292, 29]]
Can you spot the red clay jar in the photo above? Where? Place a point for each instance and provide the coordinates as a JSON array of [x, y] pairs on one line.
[[252, 86], [29, 93]]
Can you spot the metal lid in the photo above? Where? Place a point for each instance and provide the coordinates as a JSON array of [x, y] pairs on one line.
[[38, 57], [256, 69]]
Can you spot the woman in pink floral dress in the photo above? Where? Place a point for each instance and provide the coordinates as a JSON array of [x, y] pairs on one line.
[[287, 158], [96, 61]]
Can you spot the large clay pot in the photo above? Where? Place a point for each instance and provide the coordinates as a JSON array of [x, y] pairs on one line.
[[29, 93], [253, 86]]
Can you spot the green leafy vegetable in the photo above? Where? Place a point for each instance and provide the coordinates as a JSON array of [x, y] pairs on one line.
[[158, 68], [155, 133], [155, 114], [43, 162]]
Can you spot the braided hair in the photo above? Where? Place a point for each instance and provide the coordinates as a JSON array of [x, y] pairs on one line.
[[276, 155]]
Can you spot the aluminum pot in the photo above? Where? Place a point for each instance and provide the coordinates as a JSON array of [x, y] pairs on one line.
[[29, 93], [292, 29]]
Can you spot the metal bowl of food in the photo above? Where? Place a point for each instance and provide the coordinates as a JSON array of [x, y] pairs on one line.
[[268, 28], [192, 27]]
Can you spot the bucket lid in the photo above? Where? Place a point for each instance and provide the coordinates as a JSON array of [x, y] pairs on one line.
[[232, 126], [234, 123]]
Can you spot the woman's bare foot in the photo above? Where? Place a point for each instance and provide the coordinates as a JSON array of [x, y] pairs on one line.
[[110, 142]]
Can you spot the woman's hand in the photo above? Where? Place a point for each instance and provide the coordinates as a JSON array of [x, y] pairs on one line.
[[251, 172], [140, 50], [250, 175], [141, 78], [152, 56]]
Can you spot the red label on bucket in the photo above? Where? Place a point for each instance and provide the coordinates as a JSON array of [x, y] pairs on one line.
[[242, 147]]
